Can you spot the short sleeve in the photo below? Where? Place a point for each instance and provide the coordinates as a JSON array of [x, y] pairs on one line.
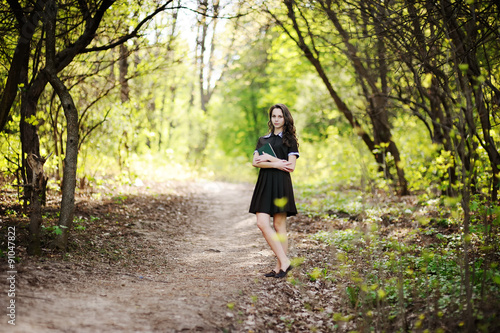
[[293, 149], [260, 143]]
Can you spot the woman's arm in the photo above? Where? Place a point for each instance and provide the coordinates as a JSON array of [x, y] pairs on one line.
[[293, 160], [267, 161]]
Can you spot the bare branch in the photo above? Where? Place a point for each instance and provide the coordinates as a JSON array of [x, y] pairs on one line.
[[133, 34]]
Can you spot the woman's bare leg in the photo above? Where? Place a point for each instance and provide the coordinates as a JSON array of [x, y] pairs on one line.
[[264, 224], [279, 221]]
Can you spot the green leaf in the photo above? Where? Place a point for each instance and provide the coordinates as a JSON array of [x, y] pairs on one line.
[[463, 67], [31, 120], [427, 81]]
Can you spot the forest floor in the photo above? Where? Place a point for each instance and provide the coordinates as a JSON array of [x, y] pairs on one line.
[[177, 256], [166, 258]]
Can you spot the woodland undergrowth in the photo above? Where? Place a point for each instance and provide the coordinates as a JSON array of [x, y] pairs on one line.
[[378, 263], [364, 262], [105, 232]]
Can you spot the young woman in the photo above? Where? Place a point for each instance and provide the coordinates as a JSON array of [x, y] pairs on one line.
[[273, 193]]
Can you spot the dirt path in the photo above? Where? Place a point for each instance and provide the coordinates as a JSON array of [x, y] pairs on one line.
[[220, 254]]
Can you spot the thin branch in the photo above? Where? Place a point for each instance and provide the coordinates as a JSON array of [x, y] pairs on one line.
[[133, 34], [91, 129], [212, 16]]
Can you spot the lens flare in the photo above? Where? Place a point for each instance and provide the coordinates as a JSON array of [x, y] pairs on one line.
[[281, 202]]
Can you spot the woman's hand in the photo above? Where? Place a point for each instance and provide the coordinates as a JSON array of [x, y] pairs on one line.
[[268, 161], [284, 165], [263, 158]]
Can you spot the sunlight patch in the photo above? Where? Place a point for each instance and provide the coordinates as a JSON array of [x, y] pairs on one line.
[[280, 238], [281, 202]]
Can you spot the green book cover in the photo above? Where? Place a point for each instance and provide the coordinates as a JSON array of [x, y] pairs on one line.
[[266, 149]]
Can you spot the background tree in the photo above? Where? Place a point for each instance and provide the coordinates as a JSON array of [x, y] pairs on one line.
[[70, 46], [303, 21], [212, 59], [447, 86]]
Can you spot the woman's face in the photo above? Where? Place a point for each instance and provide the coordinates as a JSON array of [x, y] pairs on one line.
[[277, 119]]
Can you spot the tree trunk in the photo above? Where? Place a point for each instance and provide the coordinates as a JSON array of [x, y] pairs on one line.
[[19, 66], [30, 143], [36, 220], [70, 162], [465, 52], [203, 81], [205, 61], [441, 121], [466, 180], [70, 111], [378, 99], [123, 66], [300, 41], [37, 185]]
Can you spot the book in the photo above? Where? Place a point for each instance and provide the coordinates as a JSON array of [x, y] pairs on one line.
[[268, 149]]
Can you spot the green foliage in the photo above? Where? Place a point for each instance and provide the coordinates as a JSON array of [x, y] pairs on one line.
[[155, 130], [353, 294], [420, 267], [120, 199], [347, 240], [325, 200], [79, 221], [157, 127], [54, 229]]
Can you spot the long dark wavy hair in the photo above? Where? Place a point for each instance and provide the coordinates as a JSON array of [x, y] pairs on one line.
[[289, 135]]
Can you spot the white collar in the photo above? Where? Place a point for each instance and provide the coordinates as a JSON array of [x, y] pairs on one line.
[[280, 134]]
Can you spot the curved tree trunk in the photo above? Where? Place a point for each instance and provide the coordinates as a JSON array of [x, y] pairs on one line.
[[377, 98], [70, 161], [30, 144], [19, 66], [71, 157]]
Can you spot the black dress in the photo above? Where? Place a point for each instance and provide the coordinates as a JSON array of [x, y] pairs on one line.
[[273, 183]]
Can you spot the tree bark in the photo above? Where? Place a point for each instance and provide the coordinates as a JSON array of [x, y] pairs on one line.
[[315, 61], [204, 71], [19, 66], [18, 74], [30, 142], [70, 160], [70, 111], [123, 66], [465, 52], [37, 185]]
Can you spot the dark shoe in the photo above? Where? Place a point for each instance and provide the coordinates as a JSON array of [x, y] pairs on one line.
[[282, 274], [270, 274]]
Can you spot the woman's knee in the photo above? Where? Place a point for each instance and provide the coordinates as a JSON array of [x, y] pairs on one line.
[[262, 225], [279, 221], [263, 222]]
